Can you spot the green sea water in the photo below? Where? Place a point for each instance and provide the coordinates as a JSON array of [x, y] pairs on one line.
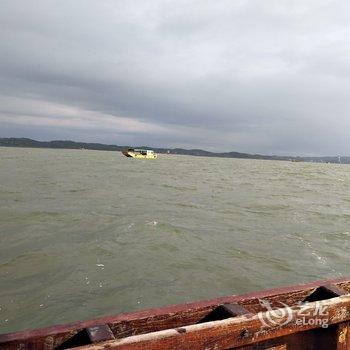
[[91, 233]]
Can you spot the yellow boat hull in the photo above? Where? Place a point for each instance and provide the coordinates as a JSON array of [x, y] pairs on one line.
[[139, 156]]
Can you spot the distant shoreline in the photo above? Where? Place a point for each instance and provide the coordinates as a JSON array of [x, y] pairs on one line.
[[60, 144]]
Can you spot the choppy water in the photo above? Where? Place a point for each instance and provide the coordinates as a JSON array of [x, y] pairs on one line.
[[89, 233]]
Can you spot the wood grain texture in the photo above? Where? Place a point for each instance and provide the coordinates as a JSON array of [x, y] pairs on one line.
[[155, 320], [342, 336], [229, 333]]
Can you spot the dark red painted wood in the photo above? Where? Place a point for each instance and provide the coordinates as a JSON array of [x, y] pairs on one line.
[[152, 320]]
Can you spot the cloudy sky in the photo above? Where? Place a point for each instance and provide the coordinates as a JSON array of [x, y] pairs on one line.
[[256, 76]]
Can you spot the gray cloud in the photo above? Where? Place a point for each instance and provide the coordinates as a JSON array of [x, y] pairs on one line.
[[263, 77]]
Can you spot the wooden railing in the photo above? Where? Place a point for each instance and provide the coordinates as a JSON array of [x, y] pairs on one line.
[[310, 316]]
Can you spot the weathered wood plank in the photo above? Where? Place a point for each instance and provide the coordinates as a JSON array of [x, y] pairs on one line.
[[337, 291], [325, 292], [141, 322], [224, 311], [298, 341], [342, 336], [232, 332]]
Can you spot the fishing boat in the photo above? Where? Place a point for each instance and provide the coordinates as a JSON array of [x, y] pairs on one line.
[[139, 153], [309, 316]]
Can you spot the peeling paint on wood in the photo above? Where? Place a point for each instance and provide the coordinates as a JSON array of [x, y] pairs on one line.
[[239, 327]]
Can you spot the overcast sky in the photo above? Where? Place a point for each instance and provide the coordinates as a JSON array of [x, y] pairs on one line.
[[268, 77]]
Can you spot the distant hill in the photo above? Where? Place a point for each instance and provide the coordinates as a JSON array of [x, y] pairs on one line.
[[25, 142]]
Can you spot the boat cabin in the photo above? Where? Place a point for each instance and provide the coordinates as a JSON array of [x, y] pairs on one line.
[[145, 152]]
